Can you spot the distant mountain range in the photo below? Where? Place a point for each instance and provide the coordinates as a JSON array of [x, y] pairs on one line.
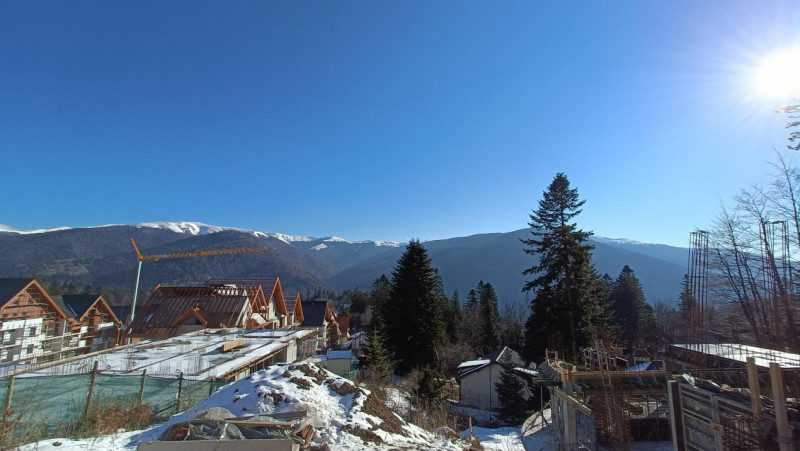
[[104, 255]]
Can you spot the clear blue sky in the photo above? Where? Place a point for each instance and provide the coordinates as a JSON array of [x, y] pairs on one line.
[[384, 120]]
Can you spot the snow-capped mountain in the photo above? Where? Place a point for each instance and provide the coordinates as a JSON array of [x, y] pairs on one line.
[[104, 255]]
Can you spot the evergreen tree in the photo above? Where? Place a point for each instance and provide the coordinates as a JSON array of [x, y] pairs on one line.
[[472, 298], [565, 309], [631, 313], [429, 391], [377, 357], [453, 318], [413, 315], [490, 314], [378, 298], [514, 406]]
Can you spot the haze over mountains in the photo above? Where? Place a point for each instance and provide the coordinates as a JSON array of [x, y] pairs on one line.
[[104, 255]]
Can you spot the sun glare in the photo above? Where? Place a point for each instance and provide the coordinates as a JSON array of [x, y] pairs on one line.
[[779, 74]]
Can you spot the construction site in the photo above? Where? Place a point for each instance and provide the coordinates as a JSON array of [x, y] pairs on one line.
[[700, 394]]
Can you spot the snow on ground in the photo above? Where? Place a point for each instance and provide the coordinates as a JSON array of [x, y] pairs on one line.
[[344, 416]]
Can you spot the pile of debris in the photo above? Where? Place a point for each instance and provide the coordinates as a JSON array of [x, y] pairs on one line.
[[293, 407]]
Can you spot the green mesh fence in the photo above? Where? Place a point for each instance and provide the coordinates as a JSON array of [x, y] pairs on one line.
[[50, 404]]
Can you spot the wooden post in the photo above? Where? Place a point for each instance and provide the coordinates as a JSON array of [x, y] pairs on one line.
[[779, 400], [9, 394], [755, 387], [91, 390], [180, 387], [141, 388]]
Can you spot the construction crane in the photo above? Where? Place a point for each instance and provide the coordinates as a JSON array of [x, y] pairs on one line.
[[201, 253]]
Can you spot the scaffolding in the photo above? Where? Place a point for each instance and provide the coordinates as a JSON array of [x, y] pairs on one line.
[[624, 406]]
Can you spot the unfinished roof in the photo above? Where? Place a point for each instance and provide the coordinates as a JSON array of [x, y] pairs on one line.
[[740, 353], [169, 307], [197, 355], [11, 287], [270, 286]]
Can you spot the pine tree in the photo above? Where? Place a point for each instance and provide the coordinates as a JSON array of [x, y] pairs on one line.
[[377, 357], [514, 405], [490, 314], [565, 284], [413, 315]]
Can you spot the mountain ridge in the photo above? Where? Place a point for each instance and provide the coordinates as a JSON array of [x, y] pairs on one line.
[[103, 255]]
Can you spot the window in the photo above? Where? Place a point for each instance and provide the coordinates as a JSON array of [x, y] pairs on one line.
[[30, 349], [32, 331]]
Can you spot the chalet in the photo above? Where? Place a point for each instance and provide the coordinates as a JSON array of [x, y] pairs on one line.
[[319, 316], [357, 343], [91, 315], [478, 377], [273, 311], [343, 322], [33, 328], [294, 306]]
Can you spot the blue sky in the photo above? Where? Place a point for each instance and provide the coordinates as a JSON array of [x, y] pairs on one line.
[[385, 120]]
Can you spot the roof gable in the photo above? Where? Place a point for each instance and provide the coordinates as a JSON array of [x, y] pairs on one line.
[[11, 287], [268, 288], [294, 305]]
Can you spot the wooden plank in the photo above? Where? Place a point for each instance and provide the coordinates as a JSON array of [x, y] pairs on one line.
[[230, 345]]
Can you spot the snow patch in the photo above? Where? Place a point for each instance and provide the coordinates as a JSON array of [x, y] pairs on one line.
[[320, 247], [336, 239], [616, 240], [288, 239], [9, 229]]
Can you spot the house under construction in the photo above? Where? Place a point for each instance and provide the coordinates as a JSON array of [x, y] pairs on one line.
[[604, 407]]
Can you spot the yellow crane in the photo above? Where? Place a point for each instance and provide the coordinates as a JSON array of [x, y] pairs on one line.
[[201, 253]]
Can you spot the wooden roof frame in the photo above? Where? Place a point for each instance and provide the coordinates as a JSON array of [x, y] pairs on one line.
[[44, 293], [94, 306], [188, 313]]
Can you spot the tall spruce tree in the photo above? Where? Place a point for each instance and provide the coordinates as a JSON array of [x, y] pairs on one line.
[[490, 318], [378, 297], [631, 313], [565, 310], [413, 315]]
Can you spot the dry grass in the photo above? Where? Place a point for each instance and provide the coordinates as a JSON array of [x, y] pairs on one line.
[[105, 417]]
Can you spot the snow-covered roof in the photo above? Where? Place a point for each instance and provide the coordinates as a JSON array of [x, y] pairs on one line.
[[470, 363], [197, 355], [740, 353]]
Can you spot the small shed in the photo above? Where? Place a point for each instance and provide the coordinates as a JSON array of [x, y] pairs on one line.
[[342, 363]]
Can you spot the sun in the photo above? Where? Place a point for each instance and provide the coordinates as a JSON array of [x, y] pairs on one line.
[[779, 74]]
